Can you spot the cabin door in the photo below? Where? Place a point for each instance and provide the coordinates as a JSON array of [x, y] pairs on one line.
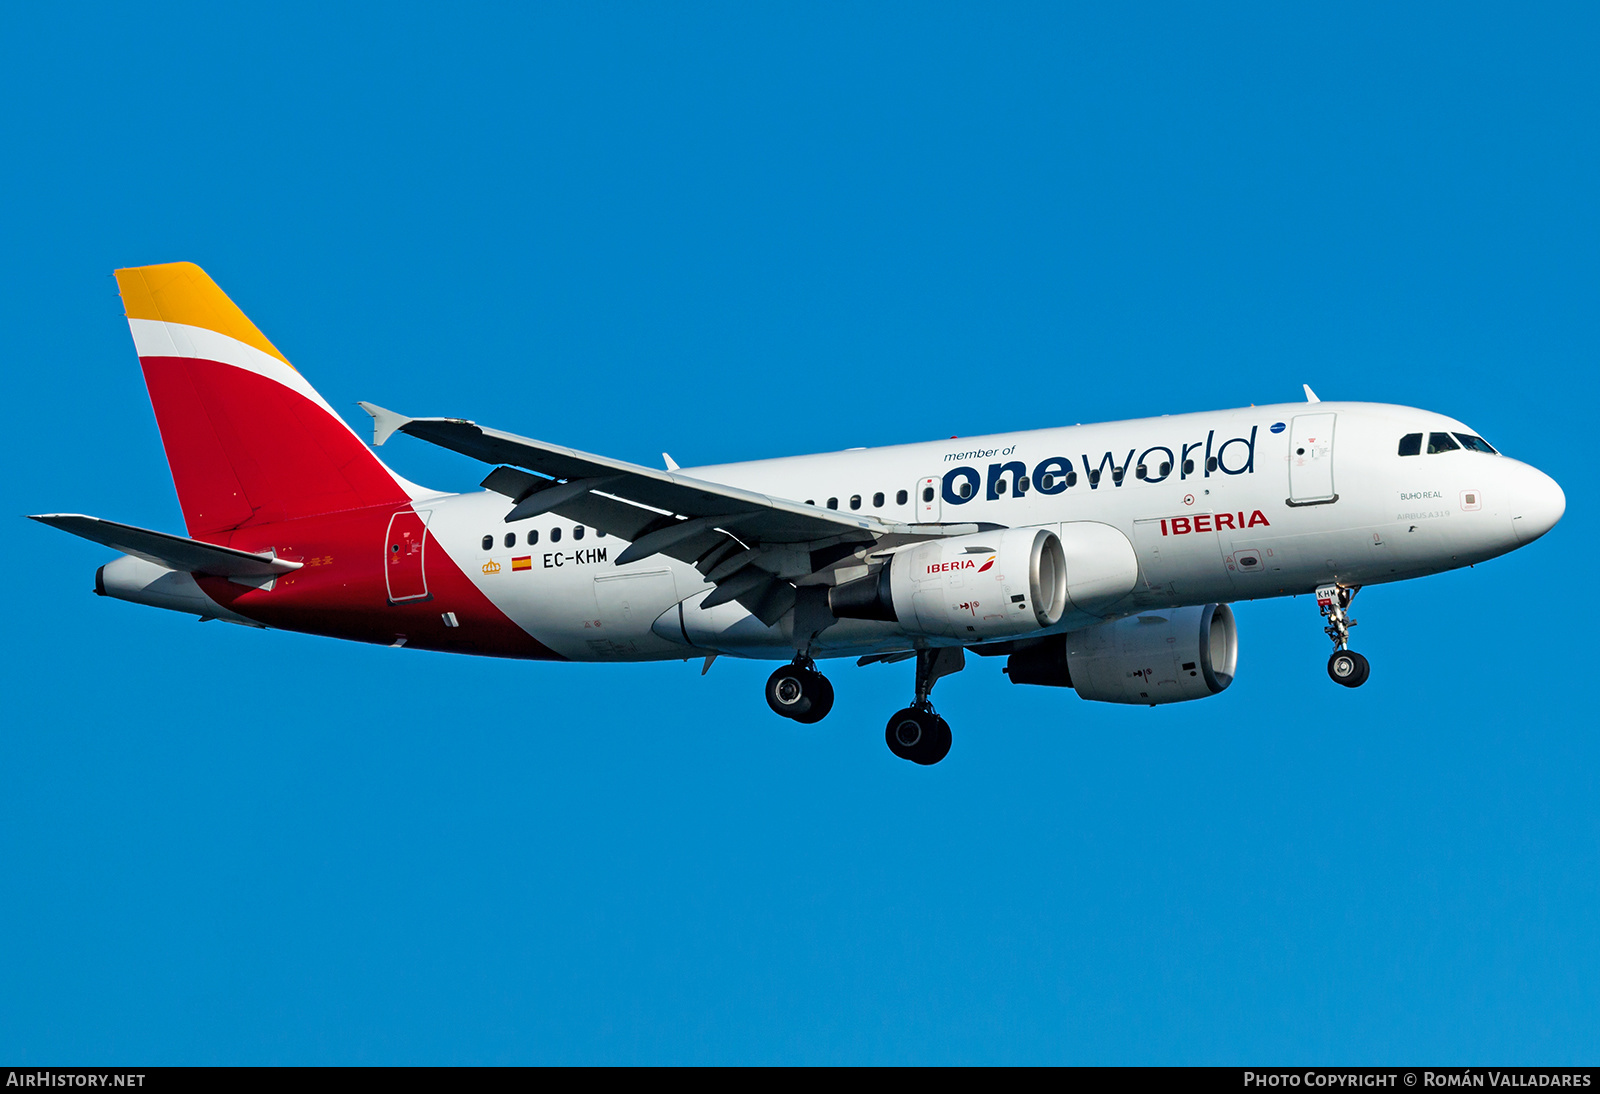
[[403, 554], [1311, 460]]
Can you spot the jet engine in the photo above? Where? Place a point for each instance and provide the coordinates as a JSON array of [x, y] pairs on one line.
[[1154, 657], [984, 586]]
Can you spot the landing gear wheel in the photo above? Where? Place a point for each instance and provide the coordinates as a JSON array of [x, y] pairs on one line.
[[1348, 668], [821, 704], [800, 692], [919, 735]]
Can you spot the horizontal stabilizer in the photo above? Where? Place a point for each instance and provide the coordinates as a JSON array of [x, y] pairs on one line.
[[173, 552]]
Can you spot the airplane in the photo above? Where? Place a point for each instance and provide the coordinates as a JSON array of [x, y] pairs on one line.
[[1101, 558]]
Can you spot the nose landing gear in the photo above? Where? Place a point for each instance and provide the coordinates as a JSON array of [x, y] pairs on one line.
[[1348, 668], [1345, 667], [917, 733], [800, 692]]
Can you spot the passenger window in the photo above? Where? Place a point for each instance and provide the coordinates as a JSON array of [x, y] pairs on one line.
[[927, 493], [1022, 485], [901, 498], [1166, 468], [1441, 442], [1094, 477], [1072, 478], [1116, 475], [877, 501], [1211, 464], [488, 543], [965, 490], [855, 501], [1000, 485], [833, 503], [511, 539], [1046, 481], [1140, 472], [577, 531], [598, 534], [1474, 443], [555, 535], [1188, 467], [533, 536], [1411, 444]]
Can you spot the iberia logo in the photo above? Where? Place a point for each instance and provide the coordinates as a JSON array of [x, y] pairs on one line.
[[1212, 522], [491, 567], [961, 564]]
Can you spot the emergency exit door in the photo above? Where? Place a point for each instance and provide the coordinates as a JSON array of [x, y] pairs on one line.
[[403, 556], [927, 499], [1311, 460]]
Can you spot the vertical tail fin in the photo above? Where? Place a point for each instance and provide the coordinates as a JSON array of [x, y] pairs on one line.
[[248, 440]]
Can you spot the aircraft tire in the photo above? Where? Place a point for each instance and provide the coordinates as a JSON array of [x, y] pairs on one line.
[[920, 736], [1348, 668], [939, 745], [821, 702], [792, 691]]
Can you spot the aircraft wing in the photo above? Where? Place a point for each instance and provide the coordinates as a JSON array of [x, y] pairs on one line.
[[753, 546]]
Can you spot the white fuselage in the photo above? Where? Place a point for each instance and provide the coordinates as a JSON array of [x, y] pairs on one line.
[[1232, 505]]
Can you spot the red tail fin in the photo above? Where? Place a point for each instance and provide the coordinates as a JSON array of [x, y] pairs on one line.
[[248, 440]]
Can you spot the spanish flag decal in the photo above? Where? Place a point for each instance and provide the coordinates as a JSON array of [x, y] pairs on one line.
[[523, 563]]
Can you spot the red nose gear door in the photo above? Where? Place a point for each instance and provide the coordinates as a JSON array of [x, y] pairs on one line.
[[403, 553]]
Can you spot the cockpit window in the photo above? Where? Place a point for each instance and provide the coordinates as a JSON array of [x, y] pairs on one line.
[[1475, 444], [1411, 444], [1440, 442]]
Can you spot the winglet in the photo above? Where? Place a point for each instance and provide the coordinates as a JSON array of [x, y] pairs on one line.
[[1311, 396], [672, 464], [384, 422]]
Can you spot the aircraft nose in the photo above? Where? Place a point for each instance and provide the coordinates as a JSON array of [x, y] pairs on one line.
[[1538, 505]]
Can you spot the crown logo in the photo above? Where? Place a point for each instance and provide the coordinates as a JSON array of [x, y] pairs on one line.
[[491, 567]]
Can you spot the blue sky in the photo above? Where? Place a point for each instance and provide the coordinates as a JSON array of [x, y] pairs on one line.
[[731, 231]]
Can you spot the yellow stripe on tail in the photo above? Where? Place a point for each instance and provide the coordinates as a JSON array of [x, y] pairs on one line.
[[181, 292]]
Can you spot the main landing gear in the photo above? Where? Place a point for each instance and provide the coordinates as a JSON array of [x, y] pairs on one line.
[[800, 692], [917, 733], [1345, 666]]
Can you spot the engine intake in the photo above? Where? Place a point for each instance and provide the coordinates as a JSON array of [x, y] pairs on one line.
[[1155, 657], [978, 587]]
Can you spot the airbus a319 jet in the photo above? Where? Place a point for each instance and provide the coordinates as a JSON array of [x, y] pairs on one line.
[[1097, 557]]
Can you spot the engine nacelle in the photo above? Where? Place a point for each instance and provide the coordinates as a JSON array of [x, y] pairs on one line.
[[1156, 657], [979, 587]]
